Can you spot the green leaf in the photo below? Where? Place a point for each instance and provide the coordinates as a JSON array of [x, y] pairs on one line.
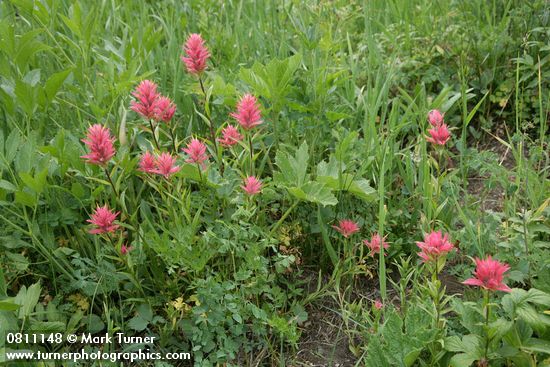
[[293, 169], [45, 327], [13, 142], [8, 306], [539, 297], [534, 345], [36, 183], [3, 287], [138, 323], [32, 78], [315, 192], [328, 174], [22, 197], [8, 186], [27, 299], [462, 360], [95, 324], [145, 312], [54, 83], [326, 240]]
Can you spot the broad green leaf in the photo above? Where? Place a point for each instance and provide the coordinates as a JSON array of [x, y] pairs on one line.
[[315, 192], [24, 198], [328, 174], [45, 327], [8, 186], [292, 169], [462, 360], [54, 83], [12, 144], [27, 299], [138, 323], [8, 306], [534, 345]]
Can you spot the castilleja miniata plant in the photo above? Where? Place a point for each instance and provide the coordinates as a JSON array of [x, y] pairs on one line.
[[241, 183]]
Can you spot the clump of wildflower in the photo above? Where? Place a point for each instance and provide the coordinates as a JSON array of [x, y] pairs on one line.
[[196, 54], [103, 219], [252, 185], [439, 135], [346, 227], [435, 117], [164, 109], [230, 136], [166, 165], [147, 163], [146, 98], [196, 151], [100, 143], [248, 113], [489, 274], [374, 244], [435, 245]]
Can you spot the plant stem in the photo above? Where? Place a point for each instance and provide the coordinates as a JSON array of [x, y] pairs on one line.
[[111, 181], [282, 219], [251, 154], [200, 173], [487, 315], [173, 140], [207, 114], [154, 135]]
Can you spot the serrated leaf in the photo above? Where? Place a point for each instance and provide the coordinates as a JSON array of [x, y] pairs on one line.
[[314, 192], [46, 327], [292, 169]]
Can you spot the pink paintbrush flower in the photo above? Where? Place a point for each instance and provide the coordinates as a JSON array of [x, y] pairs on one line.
[[196, 151], [252, 185], [435, 118], [196, 54], [378, 304], [439, 135], [248, 112], [164, 109], [147, 163], [103, 219], [100, 143], [346, 227], [166, 165], [146, 95], [125, 249], [489, 275], [374, 244], [230, 136], [434, 246]]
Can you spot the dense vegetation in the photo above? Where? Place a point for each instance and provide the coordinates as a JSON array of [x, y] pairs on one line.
[[233, 177]]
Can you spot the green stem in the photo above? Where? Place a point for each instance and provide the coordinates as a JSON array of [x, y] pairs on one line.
[[251, 154], [173, 140], [111, 181], [487, 315], [282, 219], [154, 135], [207, 114], [200, 172]]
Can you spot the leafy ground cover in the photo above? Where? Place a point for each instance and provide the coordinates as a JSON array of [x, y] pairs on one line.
[[279, 183]]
